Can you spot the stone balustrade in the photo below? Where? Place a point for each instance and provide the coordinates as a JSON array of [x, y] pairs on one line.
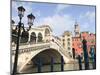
[[32, 48], [61, 49]]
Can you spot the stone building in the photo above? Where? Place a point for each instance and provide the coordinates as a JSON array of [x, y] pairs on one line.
[[77, 30], [66, 40]]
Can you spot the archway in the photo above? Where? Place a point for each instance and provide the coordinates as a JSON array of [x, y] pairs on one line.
[[47, 32], [39, 37], [33, 37], [45, 57], [24, 37]]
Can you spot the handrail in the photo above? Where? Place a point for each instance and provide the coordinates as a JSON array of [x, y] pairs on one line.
[[60, 46]]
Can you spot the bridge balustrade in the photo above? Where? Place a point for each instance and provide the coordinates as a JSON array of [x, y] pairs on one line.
[[62, 50], [32, 48], [29, 43]]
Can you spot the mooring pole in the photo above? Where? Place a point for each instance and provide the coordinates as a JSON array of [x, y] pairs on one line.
[[62, 63], [80, 62], [52, 64], [86, 59], [39, 65], [93, 58]]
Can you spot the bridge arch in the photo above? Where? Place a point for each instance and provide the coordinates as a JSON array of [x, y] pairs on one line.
[[45, 56]]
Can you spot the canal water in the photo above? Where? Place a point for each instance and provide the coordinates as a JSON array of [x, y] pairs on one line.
[[57, 68]]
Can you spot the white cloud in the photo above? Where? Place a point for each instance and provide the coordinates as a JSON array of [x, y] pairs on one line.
[[59, 23], [61, 7], [90, 16], [87, 21], [28, 9]]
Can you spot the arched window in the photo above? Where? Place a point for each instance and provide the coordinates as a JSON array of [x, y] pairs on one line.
[[33, 37], [68, 43], [24, 37], [68, 48], [47, 32], [68, 39], [40, 37], [63, 40], [70, 54]]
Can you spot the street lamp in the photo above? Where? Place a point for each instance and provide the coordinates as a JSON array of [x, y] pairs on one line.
[[12, 22], [31, 18], [21, 11]]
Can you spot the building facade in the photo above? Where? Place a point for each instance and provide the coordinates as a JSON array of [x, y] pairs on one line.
[[90, 38], [77, 45], [66, 41]]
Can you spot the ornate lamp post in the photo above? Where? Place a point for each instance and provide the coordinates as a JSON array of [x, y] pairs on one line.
[[21, 11], [31, 18], [12, 21]]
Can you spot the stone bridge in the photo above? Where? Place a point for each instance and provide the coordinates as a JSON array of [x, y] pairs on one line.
[[30, 52]]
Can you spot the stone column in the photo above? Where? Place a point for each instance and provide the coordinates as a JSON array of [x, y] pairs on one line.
[[36, 40]]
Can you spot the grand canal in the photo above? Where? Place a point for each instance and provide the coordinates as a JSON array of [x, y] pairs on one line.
[[57, 68]]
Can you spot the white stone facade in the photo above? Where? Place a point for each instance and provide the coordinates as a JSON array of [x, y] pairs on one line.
[[66, 40]]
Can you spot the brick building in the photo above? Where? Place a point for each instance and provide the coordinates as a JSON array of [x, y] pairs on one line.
[[77, 41], [90, 38]]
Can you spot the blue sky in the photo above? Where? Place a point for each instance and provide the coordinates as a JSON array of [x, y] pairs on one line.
[[60, 17]]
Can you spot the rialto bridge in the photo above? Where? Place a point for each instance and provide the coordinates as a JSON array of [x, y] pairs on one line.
[[40, 44]]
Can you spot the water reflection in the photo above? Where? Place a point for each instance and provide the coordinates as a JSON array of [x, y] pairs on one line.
[[57, 68]]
